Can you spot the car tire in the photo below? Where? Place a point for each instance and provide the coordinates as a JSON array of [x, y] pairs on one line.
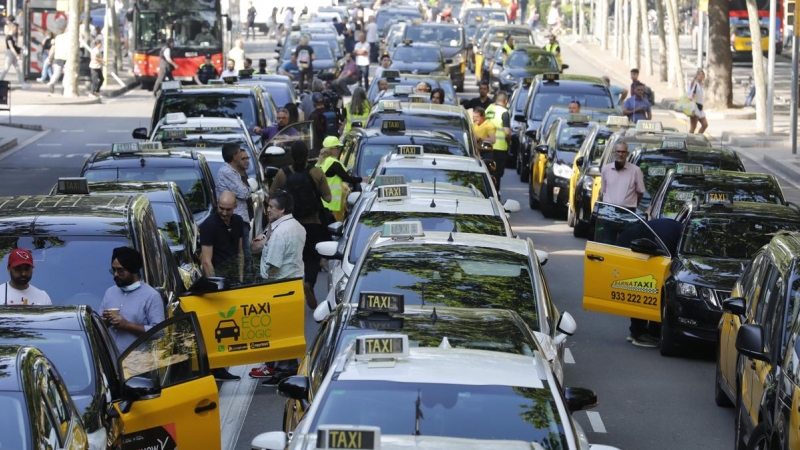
[[544, 202], [570, 217], [758, 438], [720, 397], [668, 345], [532, 202]]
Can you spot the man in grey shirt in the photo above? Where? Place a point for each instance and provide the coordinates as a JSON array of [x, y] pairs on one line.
[[231, 177], [307, 105], [131, 307]]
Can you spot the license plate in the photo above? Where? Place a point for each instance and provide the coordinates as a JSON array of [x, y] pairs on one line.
[[184, 78], [748, 44]]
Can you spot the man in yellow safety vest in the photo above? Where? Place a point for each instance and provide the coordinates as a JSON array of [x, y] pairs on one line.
[[508, 47], [554, 48], [498, 115], [336, 174]]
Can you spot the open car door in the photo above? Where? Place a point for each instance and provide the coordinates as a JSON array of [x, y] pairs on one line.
[[625, 265], [169, 394], [301, 131], [249, 322]]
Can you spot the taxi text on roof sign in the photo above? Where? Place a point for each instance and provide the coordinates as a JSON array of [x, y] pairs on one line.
[[551, 76], [419, 98], [173, 134], [386, 180], [617, 121], [673, 144], [403, 90], [392, 192], [391, 74], [390, 105], [410, 150], [381, 302], [649, 125], [170, 85], [72, 185], [578, 118], [381, 347], [402, 229], [176, 117], [348, 436], [135, 147], [689, 169], [393, 125], [719, 198]]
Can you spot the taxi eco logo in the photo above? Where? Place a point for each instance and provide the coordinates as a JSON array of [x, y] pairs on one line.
[[256, 320], [646, 284]]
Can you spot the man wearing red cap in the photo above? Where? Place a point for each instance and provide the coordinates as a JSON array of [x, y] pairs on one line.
[[19, 291]]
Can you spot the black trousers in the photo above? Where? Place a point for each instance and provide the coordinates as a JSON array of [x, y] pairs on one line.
[[641, 327], [315, 233], [305, 76], [500, 157], [97, 80]]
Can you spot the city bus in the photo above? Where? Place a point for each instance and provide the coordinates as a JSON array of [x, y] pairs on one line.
[[738, 15], [195, 25]]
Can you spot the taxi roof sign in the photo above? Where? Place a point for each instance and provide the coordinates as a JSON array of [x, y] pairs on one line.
[[175, 118], [151, 146], [617, 121], [390, 105], [418, 98], [391, 74], [381, 302], [551, 76], [392, 192], [348, 436], [410, 150], [381, 347], [689, 169], [386, 180], [578, 118], [231, 79], [527, 81], [403, 90], [719, 198], [649, 125], [408, 229], [393, 125], [673, 144], [72, 186], [125, 147], [173, 134], [170, 85]]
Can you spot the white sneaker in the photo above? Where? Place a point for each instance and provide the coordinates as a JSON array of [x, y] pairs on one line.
[[26, 86]]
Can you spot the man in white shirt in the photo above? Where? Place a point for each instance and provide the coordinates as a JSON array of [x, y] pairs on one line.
[[18, 290], [230, 70], [362, 58], [372, 39]]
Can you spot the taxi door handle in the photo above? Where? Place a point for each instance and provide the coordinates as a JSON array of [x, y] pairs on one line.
[[595, 257], [730, 321], [209, 407], [753, 365]]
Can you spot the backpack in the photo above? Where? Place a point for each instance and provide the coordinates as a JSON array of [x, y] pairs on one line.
[[650, 95], [303, 59], [301, 187], [331, 123]]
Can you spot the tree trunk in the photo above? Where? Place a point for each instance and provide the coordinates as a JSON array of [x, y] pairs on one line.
[[114, 55], [662, 42], [719, 86], [648, 41], [618, 29], [675, 74], [601, 17], [72, 64], [635, 35], [759, 78], [626, 30], [574, 18], [87, 22]]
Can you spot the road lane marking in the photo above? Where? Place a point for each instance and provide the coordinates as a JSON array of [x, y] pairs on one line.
[[25, 143], [72, 131], [48, 145], [61, 155], [568, 357], [596, 421], [235, 398], [117, 131], [97, 145]]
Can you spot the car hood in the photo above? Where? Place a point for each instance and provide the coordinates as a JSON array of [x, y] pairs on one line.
[[322, 64], [520, 73], [91, 416], [716, 273], [422, 67], [450, 52]]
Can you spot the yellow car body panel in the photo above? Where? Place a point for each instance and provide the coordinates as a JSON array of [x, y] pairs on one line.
[[622, 282], [744, 44]]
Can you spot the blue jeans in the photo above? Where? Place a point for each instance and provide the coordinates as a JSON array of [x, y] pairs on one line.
[[47, 68], [751, 95], [365, 75]]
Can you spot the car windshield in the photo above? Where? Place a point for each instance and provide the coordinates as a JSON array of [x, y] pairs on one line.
[[212, 150], [460, 276], [189, 179], [373, 221], [519, 103], [217, 105], [486, 16], [280, 92], [745, 32], [745, 189], [73, 270], [544, 100], [571, 138], [383, 17], [417, 54], [535, 60], [68, 350], [654, 167], [14, 428], [370, 154], [736, 238], [456, 177], [447, 410], [441, 35]]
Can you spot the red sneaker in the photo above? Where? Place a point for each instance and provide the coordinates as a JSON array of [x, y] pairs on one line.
[[262, 372]]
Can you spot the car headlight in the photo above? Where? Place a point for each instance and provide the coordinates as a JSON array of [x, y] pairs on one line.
[[686, 289], [708, 295], [508, 77], [340, 287], [458, 58], [495, 71], [588, 184], [562, 170]]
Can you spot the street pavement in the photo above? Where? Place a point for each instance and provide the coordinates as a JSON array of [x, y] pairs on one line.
[[646, 401]]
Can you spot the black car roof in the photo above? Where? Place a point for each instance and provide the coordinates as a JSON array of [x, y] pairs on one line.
[[44, 214], [576, 86], [166, 158], [375, 136], [740, 209], [218, 89], [155, 191], [64, 318]]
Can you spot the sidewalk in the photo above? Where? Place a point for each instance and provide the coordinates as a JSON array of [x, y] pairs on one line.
[[734, 128], [13, 134]]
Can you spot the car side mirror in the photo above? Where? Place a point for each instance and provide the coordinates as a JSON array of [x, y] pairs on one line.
[[648, 247], [252, 184], [322, 311], [593, 171], [543, 149], [519, 117], [564, 66], [542, 256], [274, 440], [531, 133], [139, 133], [734, 305], [566, 324], [336, 228], [329, 250], [353, 197], [579, 398], [294, 387], [274, 151], [138, 388], [208, 284], [750, 342], [579, 161], [511, 206]]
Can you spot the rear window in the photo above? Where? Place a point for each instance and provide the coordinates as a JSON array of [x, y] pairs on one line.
[[596, 98], [745, 32], [212, 105], [453, 125], [369, 154]]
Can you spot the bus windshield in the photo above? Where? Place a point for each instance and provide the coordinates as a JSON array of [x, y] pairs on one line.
[[197, 27]]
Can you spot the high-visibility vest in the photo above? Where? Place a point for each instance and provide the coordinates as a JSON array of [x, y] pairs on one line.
[[357, 118], [334, 183], [507, 49], [554, 49], [494, 113]]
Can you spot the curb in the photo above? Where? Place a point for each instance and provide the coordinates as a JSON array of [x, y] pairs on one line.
[[781, 167], [23, 126], [746, 113], [8, 145], [53, 100], [120, 90]]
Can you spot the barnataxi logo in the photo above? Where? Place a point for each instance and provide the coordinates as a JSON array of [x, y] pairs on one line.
[[645, 283]]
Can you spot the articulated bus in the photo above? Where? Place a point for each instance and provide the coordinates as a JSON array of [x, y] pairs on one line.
[[195, 25], [738, 15]]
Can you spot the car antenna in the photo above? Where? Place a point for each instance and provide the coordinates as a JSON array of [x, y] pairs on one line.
[[434, 316], [455, 219], [433, 200], [434, 162]]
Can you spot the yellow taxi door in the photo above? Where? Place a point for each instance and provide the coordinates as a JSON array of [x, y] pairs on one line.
[[170, 398], [727, 354], [252, 323], [794, 421], [618, 280], [573, 181]]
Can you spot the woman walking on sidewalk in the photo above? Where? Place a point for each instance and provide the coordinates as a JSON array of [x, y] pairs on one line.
[[695, 92], [13, 52]]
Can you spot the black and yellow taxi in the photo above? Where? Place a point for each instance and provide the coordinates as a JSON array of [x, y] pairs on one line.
[[395, 78], [525, 61], [493, 39], [390, 116], [553, 88], [758, 350], [687, 181], [452, 40], [363, 148], [552, 167], [149, 161], [419, 59], [37, 409], [401, 12], [629, 270], [229, 100], [585, 170]]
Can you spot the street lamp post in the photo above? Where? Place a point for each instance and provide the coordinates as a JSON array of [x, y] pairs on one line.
[[771, 67]]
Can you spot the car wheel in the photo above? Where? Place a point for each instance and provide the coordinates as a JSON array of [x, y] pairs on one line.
[[738, 432], [545, 203], [668, 345], [758, 439], [570, 217], [519, 165], [532, 202], [720, 397]]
